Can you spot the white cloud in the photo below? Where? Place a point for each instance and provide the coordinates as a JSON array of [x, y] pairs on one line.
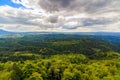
[[61, 15]]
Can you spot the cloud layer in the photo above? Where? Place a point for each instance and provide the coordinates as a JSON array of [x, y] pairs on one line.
[[61, 15]]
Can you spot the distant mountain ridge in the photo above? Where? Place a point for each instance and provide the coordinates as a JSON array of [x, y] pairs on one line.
[[9, 32], [74, 33], [98, 33], [5, 32]]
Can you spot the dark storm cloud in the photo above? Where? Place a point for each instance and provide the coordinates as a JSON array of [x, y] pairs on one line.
[[52, 19], [101, 21], [89, 22], [54, 5], [74, 5]]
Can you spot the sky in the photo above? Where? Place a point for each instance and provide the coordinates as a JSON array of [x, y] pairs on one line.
[[60, 15]]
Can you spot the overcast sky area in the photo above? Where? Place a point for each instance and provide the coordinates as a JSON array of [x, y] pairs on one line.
[[60, 15]]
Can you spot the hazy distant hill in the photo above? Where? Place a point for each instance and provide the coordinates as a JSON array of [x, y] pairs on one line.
[[96, 33], [75, 33], [8, 32], [5, 32]]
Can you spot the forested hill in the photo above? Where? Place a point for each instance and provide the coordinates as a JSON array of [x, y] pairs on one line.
[[68, 33], [4, 32], [59, 57], [51, 44]]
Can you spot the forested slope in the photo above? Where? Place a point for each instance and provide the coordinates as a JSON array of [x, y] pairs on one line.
[[63, 67], [60, 57]]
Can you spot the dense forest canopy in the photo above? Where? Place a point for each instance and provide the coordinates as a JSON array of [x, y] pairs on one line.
[[59, 57]]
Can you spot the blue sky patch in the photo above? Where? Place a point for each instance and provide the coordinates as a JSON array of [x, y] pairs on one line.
[[10, 3]]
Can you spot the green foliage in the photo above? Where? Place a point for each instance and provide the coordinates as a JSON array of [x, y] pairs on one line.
[[63, 67], [61, 57], [105, 55], [48, 45]]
